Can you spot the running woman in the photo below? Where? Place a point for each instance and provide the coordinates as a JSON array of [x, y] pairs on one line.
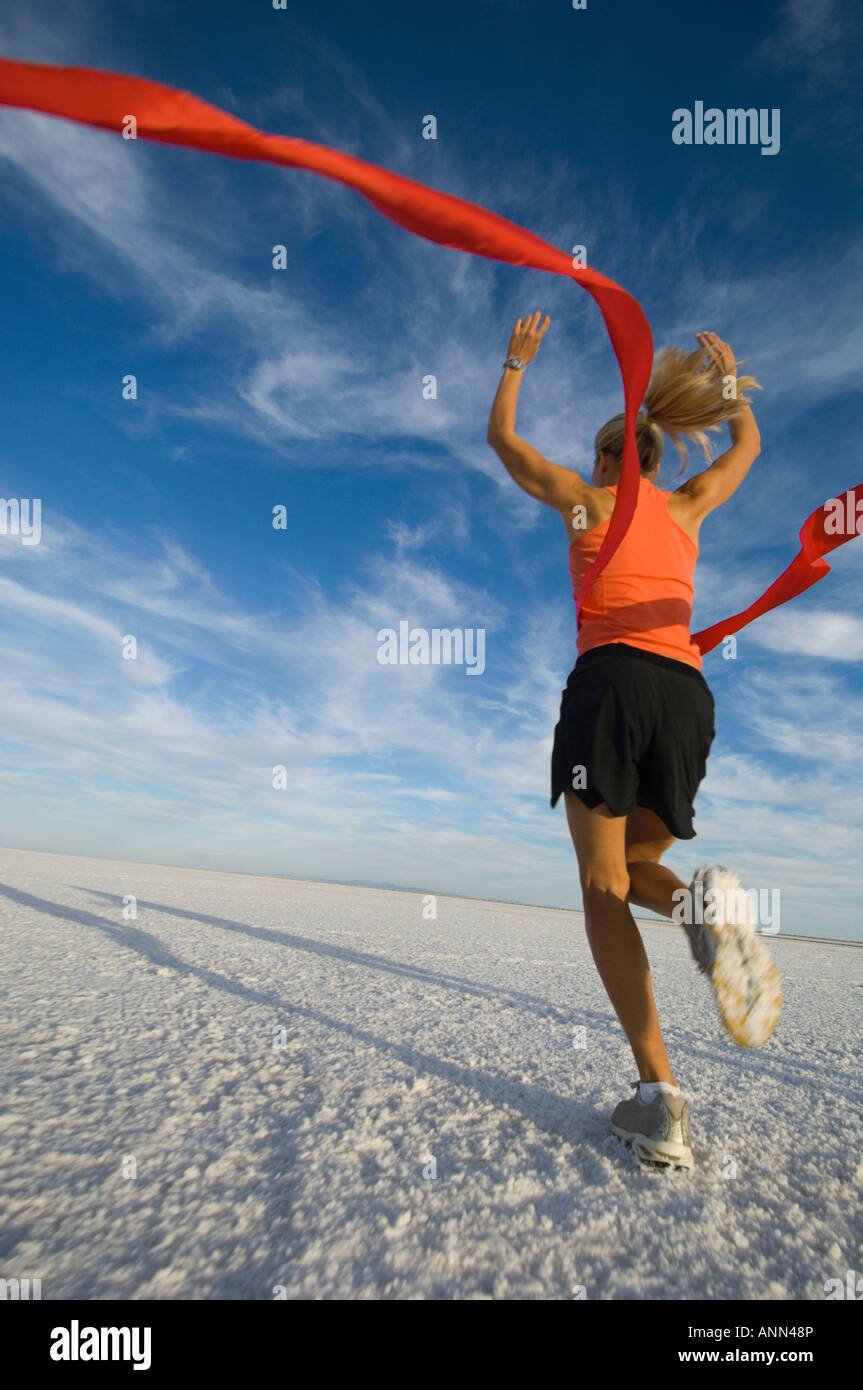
[[637, 716]]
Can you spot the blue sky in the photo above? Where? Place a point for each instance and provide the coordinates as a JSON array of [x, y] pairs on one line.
[[303, 387]]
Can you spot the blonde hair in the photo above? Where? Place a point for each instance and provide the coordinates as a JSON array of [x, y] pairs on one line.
[[684, 400]]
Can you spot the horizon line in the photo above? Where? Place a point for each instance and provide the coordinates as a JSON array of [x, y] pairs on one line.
[[370, 886]]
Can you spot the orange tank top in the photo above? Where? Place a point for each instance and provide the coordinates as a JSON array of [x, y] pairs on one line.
[[643, 597]]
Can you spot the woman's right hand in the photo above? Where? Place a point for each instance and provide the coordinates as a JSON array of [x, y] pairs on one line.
[[719, 354]]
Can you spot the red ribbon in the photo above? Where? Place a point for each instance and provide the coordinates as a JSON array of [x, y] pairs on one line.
[[108, 100], [835, 522]]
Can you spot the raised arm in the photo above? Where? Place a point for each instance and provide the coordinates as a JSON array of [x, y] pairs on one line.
[[710, 489], [561, 488]]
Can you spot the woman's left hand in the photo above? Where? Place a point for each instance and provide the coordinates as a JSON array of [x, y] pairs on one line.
[[527, 336], [720, 357]]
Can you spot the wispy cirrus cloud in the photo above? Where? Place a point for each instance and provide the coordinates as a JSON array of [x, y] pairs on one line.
[[819, 38]]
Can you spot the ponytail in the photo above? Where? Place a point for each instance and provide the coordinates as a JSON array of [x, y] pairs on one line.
[[685, 399]]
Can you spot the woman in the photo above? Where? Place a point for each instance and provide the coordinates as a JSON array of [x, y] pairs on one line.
[[636, 719]]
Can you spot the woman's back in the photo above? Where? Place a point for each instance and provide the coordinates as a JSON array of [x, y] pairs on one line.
[[643, 597]]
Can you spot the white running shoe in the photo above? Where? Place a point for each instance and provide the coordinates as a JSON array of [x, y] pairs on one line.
[[729, 951]]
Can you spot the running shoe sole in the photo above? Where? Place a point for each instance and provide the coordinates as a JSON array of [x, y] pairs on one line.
[[661, 1152], [745, 980]]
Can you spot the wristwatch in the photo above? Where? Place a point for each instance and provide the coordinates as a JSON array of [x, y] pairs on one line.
[[515, 362]]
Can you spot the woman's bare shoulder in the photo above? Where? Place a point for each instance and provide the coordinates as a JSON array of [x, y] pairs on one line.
[[591, 506], [683, 508]]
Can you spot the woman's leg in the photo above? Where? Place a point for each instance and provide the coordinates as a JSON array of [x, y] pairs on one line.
[[651, 884], [618, 951]]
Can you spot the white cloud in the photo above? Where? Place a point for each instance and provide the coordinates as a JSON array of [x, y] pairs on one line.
[[818, 37], [820, 634]]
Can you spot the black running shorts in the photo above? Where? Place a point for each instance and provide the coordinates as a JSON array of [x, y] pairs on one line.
[[635, 729]]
